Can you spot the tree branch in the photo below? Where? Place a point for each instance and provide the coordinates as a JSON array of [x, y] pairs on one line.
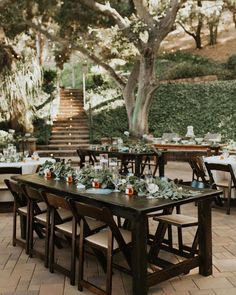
[[123, 24], [81, 49], [143, 12], [108, 11], [186, 31], [166, 23], [4, 3]]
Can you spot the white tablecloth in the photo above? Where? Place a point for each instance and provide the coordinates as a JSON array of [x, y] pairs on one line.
[[29, 166], [222, 160]]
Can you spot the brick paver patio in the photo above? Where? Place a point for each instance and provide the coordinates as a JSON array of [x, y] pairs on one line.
[[20, 274]]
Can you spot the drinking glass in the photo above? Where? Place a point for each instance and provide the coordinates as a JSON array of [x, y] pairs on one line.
[[26, 153], [113, 162], [116, 180]]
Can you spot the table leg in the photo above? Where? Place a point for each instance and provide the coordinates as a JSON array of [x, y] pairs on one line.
[[139, 256], [161, 162], [205, 237], [138, 161]]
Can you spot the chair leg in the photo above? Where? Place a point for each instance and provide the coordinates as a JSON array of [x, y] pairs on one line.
[[81, 257], [180, 239], [31, 229], [14, 225], [47, 239], [73, 249], [228, 201], [109, 265], [51, 243]]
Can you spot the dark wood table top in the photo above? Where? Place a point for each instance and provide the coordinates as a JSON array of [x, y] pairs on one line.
[[186, 147], [135, 204]]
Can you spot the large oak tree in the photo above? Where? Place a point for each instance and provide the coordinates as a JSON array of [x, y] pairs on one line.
[[131, 30]]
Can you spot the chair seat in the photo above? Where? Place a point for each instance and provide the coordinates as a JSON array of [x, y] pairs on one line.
[[94, 224], [101, 238], [23, 210], [3, 186], [42, 218], [42, 206], [66, 227], [177, 219], [64, 213]]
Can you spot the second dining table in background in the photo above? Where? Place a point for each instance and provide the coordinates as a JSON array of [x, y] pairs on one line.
[[140, 159]]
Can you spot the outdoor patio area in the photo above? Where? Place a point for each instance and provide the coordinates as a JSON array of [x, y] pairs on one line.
[[20, 274]]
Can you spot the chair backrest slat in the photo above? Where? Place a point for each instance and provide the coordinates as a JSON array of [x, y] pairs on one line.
[[220, 167], [82, 210], [55, 201], [17, 192]]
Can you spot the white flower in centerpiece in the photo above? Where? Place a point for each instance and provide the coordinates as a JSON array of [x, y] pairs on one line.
[[152, 188], [126, 133]]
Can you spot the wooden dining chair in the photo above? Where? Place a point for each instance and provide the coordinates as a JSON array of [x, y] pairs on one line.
[[198, 170], [58, 209], [111, 240], [5, 196], [36, 219], [86, 156], [19, 209], [228, 182]]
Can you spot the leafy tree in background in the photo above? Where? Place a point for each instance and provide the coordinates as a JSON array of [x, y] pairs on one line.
[[190, 18], [110, 34]]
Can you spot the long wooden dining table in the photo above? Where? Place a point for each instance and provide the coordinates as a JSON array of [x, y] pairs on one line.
[[136, 210]]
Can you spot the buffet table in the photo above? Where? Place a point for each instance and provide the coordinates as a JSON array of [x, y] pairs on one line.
[[177, 151]]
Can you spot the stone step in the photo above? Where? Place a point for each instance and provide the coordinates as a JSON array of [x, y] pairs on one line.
[[70, 136], [68, 118], [71, 119], [71, 103], [69, 123], [69, 140], [69, 108], [71, 90], [72, 130], [77, 97], [74, 115]]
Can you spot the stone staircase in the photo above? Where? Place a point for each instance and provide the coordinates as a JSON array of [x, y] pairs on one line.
[[70, 129]]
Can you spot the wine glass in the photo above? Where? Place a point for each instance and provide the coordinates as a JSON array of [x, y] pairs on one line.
[[26, 154], [116, 179]]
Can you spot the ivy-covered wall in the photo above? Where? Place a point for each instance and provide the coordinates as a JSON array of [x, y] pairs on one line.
[[208, 107]]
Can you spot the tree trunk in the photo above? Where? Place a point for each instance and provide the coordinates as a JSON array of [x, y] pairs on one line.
[[197, 37], [19, 118], [234, 19], [213, 34], [138, 107]]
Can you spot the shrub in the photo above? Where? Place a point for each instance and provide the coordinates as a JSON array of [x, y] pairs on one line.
[[42, 130], [206, 106], [187, 70], [231, 62]]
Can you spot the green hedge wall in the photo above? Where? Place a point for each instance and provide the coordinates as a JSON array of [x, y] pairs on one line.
[[206, 106]]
